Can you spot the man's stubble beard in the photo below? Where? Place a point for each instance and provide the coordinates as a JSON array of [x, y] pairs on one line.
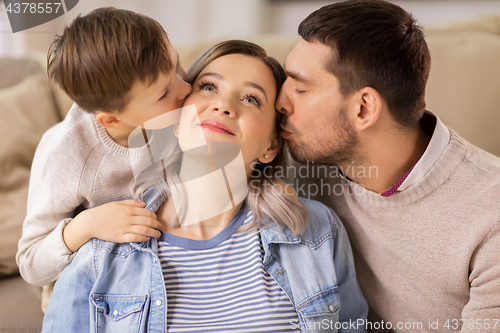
[[338, 147]]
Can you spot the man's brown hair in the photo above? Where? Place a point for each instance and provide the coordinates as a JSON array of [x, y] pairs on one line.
[[101, 55], [375, 44]]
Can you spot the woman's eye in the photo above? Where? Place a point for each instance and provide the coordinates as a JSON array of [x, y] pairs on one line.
[[252, 99], [207, 87], [299, 91]]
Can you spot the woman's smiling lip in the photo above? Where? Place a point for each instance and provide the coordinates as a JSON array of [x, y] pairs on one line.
[[215, 126]]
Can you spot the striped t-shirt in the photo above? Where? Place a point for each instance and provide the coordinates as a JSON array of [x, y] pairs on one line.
[[220, 284]]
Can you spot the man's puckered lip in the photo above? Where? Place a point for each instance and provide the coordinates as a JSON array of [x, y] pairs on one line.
[[285, 134], [284, 129]]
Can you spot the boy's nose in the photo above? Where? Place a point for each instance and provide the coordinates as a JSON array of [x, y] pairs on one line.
[[185, 88]]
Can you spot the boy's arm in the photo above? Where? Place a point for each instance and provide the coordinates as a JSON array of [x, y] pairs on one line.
[[52, 198], [50, 234]]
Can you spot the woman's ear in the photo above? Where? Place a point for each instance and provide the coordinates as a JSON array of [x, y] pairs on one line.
[[270, 152], [176, 130], [109, 120], [369, 106]]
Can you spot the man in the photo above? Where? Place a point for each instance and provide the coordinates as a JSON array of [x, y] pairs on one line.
[[419, 202]]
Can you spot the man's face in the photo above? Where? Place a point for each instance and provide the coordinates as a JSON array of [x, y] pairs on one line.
[[316, 122]]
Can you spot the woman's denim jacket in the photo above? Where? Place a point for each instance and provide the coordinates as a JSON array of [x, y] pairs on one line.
[[119, 288]]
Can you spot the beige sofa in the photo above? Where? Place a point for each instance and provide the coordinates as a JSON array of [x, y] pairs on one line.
[[463, 90], [29, 105]]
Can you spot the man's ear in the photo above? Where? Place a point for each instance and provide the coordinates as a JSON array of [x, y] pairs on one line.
[[271, 152], [109, 120], [369, 104]]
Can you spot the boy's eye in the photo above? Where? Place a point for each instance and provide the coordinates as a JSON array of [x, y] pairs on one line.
[[164, 95]]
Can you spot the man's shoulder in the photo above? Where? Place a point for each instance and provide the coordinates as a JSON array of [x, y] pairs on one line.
[[478, 173], [478, 162], [482, 160]]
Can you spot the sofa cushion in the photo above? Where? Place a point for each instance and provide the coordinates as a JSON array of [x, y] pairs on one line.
[[26, 111], [488, 23], [15, 70], [63, 102], [463, 87], [277, 46], [19, 306]]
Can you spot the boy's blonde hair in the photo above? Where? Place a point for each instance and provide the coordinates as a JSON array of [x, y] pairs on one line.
[[101, 55]]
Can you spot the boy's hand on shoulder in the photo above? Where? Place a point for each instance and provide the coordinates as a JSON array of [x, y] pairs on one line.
[[119, 221]]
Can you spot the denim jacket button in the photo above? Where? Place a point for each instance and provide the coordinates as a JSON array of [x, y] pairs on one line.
[[115, 313], [158, 303], [279, 271], [331, 308]]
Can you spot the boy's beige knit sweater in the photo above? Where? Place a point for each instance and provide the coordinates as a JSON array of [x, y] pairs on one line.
[[430, 253], [76, 163]]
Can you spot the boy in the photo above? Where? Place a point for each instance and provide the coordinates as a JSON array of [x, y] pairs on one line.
[[120, 70]]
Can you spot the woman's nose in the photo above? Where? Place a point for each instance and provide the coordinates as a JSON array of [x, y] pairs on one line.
[[223, 107]]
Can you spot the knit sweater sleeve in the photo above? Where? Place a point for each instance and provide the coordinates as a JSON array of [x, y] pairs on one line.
[[483, 308], [53, 196]]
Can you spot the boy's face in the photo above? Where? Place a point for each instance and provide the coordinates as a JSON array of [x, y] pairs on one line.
[[167, 93]]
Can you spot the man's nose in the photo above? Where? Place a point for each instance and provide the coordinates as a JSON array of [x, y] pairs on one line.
[[283, 104]]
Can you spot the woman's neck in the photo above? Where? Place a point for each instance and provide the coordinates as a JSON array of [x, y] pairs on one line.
[[205, 203], [202, 230]]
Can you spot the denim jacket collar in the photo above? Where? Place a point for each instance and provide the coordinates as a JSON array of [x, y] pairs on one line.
[[269, 236], [274, 234]]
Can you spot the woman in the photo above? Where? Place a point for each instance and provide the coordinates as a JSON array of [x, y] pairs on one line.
[[270, 262]]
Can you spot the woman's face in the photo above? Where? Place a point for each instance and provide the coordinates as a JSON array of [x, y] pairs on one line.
[[234, 96]]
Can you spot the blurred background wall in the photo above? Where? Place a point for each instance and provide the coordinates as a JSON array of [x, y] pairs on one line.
[[188, 21]]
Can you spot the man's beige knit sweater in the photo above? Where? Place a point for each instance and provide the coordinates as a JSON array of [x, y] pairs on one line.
[[430, 253]]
